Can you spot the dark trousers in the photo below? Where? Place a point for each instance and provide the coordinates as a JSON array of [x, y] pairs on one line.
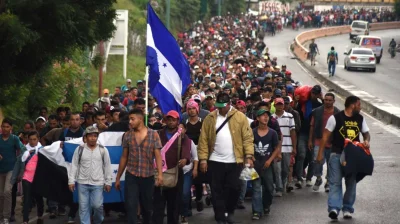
[[138, 190], [29, 195], [170, 197], [225, 187], [14, 198]]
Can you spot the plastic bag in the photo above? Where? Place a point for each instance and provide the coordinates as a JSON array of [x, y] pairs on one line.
[[303, 92], [249, 174]]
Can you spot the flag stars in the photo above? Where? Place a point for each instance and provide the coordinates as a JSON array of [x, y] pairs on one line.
[[164, 65], [115, 171]]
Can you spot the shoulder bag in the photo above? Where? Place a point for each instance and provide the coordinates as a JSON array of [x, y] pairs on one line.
[[170, 176]]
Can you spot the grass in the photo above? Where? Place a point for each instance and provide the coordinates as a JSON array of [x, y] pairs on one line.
[[114, 75]]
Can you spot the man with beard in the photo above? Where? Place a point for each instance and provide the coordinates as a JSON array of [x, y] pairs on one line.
[[348, 123], [171, 196]]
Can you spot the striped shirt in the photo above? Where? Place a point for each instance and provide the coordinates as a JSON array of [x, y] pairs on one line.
[[286, 123]]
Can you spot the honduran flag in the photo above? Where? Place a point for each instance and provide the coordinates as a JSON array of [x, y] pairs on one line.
[[54, 164]]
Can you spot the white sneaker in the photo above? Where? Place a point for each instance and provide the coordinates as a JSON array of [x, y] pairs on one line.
[[5, 221], [308, 183], [278, 194], [347, 215], [333, 214]]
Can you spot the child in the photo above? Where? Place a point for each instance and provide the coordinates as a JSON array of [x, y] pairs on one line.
[[30, 159]]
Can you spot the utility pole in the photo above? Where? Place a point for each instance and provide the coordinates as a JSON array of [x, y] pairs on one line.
[[101, 46], [168, 12], [219, 7]]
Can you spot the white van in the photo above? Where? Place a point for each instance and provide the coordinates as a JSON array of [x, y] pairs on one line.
[[372, 42], [359, 27]]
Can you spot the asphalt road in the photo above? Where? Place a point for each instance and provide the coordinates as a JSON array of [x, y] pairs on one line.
[[378, 196], [384, 83]]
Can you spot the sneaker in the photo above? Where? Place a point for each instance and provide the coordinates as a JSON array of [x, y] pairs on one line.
[[5, 221], [347, 215], [333, 214], [184, 220], [317, 184], [289, 187], [327, 189], [299, 184], [229, 218], [278, 194], [308, 183], [256, 216], [71, 220], [199, 206], [240, 206], [267, 211]]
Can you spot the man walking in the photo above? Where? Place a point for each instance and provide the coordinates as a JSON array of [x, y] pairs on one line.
[[332, 61], [141, 145], [226, 142], [345, 124], [313, 51], [91, 169], [319, 119]]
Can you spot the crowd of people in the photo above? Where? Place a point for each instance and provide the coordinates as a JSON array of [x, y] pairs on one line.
[[240, 111]]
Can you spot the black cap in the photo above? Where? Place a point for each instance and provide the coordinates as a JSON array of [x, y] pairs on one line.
[[316, 89]]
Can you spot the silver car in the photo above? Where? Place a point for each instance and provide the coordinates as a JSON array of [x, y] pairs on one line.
[[360, 58]]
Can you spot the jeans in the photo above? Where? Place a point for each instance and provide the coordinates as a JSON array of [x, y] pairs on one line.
[[225, 188], [332, 67], [90, 199], [336, 201], [170, 197], [277, 167], [243, 189], [285, 167], [139, 190], [262, 190], [186, 194], [309, 163], [14, 198], [5, 195], [29, 195], [301, 155], [318, 167]]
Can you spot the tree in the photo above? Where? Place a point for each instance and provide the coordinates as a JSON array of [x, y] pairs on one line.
[[35, 33], [397, 8]]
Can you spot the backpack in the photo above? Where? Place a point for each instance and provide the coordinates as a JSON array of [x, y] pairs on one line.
[[80, 152], [332, 56]]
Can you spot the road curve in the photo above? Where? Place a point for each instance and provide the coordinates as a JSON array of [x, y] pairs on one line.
[[384, 83]]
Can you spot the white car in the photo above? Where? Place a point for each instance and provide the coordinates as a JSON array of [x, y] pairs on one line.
[[359, 27], [360, 59]]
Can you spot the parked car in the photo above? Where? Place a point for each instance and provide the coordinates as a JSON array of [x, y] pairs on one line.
[[360, 59]]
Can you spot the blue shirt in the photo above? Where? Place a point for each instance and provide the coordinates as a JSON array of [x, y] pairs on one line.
[[8, 150]]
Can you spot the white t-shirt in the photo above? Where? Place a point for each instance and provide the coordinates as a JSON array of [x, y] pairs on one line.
[[193, 153], [286, 123], [223, 150], [331, 125]]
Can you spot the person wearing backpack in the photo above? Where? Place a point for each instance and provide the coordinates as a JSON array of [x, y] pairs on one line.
[[9, 146], [332, 61], [91, 169]]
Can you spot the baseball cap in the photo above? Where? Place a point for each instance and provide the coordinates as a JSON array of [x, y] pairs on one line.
[[240, 103], [262, 111], [279, 100], [207, 76], [173, 113], [210, 96], [41, 118], [196, 97], [196, 67], [91, 129], [278, 92], [106, 91], [128, 80], [287, 99], [223, 99], [139, 81], [316, 89], [269, 75]]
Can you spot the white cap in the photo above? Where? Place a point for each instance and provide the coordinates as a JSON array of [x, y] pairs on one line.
[[196, 67], [196, 97], [128, 80], [41, 118]]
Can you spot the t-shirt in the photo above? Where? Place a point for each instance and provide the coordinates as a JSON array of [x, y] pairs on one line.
[[343, 127], [69, 135], [313, 47], [264, 146], [326, 115], [286, 124], [8, 150], [193, 130]]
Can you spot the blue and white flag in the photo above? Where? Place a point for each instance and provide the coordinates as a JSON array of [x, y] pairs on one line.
[[112, 141], [169, 71]]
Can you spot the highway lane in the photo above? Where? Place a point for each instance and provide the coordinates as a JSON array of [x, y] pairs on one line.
[[384, 83], [378, 196]]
